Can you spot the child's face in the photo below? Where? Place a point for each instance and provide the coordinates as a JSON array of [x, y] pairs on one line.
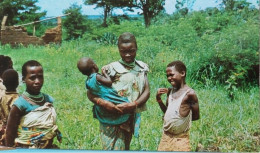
[[34, 79], [174, 77], [127, 51]]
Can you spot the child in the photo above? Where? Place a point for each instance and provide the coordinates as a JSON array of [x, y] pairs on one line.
[[10, 80], [32, 119], [5, 63], [129, 77], [181, 108], [100, 85]]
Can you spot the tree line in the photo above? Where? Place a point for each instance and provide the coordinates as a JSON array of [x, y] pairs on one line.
[[23, 11]]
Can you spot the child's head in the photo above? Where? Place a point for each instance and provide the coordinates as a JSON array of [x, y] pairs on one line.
[[5, 63], [32, 75], [127, 47], [176, 73], [87, 66], [10, 79]]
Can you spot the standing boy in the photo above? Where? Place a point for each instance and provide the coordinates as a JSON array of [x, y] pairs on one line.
[[181, 108]]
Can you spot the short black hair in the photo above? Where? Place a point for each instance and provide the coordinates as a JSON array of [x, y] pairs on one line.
[[85, 65], [126, 37], [5, 63], [179, 66], [10, 79], [29, 63]]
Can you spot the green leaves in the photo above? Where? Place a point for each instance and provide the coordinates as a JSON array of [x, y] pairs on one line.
[[20, 11], [75, 23]]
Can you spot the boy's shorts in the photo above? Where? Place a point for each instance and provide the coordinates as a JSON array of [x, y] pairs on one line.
[[171, 142]]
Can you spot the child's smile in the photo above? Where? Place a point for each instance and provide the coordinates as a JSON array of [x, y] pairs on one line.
[[174, 77]]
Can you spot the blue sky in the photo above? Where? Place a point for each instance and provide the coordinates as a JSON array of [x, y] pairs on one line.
[[55, 7]]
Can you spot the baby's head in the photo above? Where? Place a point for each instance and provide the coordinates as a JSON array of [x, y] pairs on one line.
[[10, 79], [87, 66]]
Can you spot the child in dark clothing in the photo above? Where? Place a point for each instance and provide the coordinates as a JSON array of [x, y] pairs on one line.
[[10, 80]]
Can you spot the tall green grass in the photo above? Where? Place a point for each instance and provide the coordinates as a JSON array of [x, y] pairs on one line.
[[225, 125]]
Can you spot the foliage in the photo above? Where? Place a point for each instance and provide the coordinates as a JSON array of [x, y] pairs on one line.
[[108, 6], [75, 23], [80, 131], [150, 8], [20, 11], [223, 45], [234, 5], [108, 39], [219, 48]]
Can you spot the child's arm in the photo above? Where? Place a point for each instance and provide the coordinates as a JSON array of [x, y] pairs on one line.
[[103, 103], [194, 104], [104, 79], [161, 91], [12, 125], [190, 101], [142, 99]]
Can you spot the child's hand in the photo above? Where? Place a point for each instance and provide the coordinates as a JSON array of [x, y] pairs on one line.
[[127, 107], [104, 71], [112, 107], [161, 91]]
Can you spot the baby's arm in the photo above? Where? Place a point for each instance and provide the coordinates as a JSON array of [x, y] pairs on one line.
[[12, 125], [104, 79]]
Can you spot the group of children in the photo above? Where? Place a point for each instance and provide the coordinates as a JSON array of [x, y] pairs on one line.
[[9, 81], [181, 106], [27, 120], [180, 109]]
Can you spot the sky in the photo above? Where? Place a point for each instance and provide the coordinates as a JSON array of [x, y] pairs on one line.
[[56, 7]]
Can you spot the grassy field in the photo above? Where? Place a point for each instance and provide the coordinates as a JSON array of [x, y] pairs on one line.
[[225, 125]]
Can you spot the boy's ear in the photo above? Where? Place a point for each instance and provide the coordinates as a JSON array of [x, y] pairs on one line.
[[183, 73]]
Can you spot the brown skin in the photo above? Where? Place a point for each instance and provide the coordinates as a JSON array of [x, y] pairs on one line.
[[87, 66], [104, 78], [12, 125], [128, 53], [190, 100], [34, 81]]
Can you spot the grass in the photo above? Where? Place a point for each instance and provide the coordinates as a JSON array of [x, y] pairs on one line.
[[225, 126]]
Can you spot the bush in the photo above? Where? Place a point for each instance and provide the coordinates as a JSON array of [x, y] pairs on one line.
[[75, 23], [232, 57]]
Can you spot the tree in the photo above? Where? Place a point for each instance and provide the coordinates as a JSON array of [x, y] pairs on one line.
[[75, 22], [108, 6], [183, 6], [20, 11], [150, 8], [234, 5], [103, 4]]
